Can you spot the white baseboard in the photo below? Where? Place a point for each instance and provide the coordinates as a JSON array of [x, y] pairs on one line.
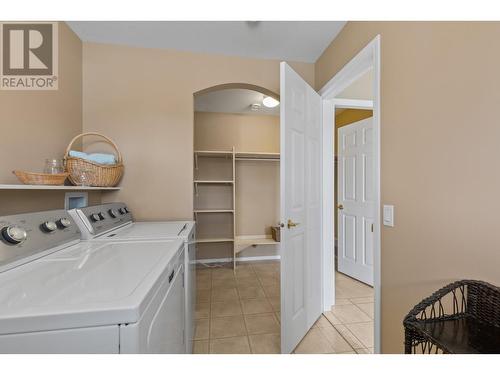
[[263, 257], [240, 259], [213, 260]]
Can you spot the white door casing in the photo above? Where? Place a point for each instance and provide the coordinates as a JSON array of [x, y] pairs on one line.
[[356, 200], [367, 58], [301, 194]]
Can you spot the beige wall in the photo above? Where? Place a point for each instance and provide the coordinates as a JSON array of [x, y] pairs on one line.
[[14, 202], [37, 125], [244, 132], [439, 157], [143, 99]]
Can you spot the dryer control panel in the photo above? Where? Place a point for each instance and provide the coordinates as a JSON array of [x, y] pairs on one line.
[[94, 221], [32, 235]]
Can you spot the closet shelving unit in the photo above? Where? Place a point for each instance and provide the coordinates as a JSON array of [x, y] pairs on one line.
[[220, 182], [239, 243]]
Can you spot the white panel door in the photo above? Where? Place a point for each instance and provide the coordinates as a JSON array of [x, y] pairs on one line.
[[300, 208], [355, 200]]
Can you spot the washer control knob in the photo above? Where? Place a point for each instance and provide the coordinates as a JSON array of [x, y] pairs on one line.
[[48, 226], [14, 234], [123, 210], [63, 223], [101, 216], [113, 213], [95, 217], [127, 210]]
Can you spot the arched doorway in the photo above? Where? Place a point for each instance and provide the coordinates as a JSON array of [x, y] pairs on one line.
[[238, 85], [236, 139]]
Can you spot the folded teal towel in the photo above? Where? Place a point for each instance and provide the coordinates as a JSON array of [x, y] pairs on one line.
[[107, 159]]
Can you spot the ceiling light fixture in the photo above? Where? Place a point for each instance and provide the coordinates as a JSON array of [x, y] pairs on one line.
[[270, 102]]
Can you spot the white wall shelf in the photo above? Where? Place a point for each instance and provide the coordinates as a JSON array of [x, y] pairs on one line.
[[213, 182], [56, 187], [257, 156], [213, 153], [210, 182], [243, 242], [214, 240], [239, 155], [212, 211]]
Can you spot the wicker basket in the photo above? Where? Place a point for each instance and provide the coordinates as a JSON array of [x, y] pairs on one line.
[[460, 318], [276, 233], [32, 178], [95, 174]]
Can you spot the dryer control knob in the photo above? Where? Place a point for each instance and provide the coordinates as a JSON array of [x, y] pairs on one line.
[[113, 213], [123, 211], [48, 226], [95, 217], [63, 223], [14, 234]]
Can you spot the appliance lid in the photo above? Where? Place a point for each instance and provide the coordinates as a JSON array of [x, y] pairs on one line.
[[151, 230], [85, 285]]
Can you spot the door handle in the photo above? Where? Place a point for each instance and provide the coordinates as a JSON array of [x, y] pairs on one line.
[[340, 206], [291, 224]]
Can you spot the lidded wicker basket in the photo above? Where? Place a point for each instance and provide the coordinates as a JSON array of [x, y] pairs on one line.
[[95, 174]]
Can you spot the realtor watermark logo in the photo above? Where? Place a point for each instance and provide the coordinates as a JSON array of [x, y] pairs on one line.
[[28, 56]]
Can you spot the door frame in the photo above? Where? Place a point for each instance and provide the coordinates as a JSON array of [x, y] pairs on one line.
[[368, 58]]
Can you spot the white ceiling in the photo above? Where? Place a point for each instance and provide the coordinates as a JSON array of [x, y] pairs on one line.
[[281, 40], [233, 101]]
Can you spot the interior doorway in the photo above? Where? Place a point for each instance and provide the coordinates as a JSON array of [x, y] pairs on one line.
[[236, 174], [353, 306], [354, 200], [236, 206], [351, 197]]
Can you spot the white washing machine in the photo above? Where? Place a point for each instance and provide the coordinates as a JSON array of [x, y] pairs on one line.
[[61, 295], [114, 222]]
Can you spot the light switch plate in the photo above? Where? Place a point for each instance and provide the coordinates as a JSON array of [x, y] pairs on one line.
[[388, 215]]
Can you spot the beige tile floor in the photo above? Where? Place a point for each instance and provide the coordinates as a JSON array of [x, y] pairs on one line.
[[238, 313], [348, 327]]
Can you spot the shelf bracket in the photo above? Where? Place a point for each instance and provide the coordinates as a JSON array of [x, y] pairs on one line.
[[196, 189], [196, 161]]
